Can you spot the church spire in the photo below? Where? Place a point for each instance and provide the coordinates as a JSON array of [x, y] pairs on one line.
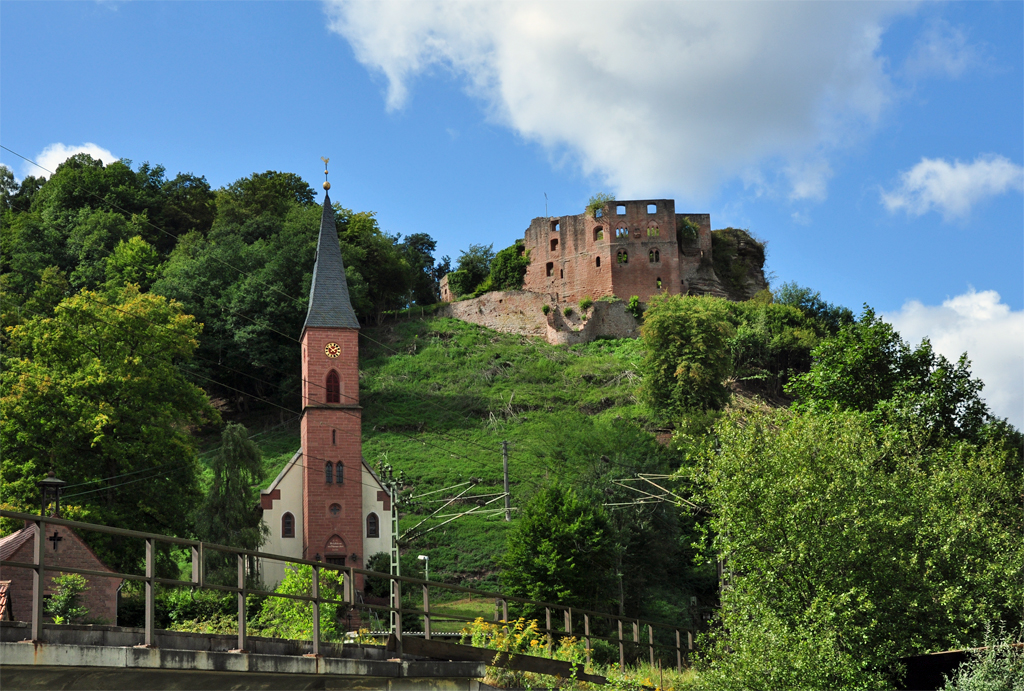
[[329, 302]]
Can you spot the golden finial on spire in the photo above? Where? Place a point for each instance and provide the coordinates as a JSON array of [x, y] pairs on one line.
[[327, 185]]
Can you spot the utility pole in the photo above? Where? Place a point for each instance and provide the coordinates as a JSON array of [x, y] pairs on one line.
[[504, 463], [387, 475]]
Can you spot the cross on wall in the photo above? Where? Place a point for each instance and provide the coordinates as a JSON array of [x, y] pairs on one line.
[[55, 538]]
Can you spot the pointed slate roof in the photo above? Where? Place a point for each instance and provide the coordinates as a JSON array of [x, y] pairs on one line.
[[329, 303]]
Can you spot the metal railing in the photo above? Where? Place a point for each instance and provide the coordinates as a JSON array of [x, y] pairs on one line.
[[571, 616]]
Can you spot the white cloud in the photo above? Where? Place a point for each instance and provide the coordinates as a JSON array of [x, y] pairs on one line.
[[55, 154], [942, 50], [651, 97], [952, 189], [991, 334]]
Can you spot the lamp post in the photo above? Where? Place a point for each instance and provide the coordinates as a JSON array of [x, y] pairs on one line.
[[51, 488], [426, 566]]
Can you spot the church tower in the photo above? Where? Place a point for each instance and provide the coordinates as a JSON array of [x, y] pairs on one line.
[[332, 498]]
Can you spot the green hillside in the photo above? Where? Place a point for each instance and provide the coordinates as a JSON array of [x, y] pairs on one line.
[[439, 397]]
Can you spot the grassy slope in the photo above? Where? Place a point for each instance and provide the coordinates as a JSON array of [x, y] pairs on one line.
[[440, 395]]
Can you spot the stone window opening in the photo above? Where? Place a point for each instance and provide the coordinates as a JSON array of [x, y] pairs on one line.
[[598, 233], [334, 437], [561, 273], [620, 209], [653, 230], [652, 208], [623, 257], [658, 283], [599, 213], [622, 232], [287, 525], [550, 267], [554, 226], [335, 509], [654, 256], [554, 244], [333, 387], [339, 473], [597, 262], [372, 526], [329, 473]]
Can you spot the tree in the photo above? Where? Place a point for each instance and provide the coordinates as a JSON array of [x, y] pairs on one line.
[[230, 514], [65, 603], [293, 619], [561, 550], [687, 358], [831, 317], [508, 268], [476, 262], [95, 393], [868, 367], [846, 546]]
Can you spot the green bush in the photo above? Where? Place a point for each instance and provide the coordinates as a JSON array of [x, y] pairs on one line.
[[586, 303], [65, 604], [461, 282], [545, 308], [999, 666], [634, 307], [508, 268], [598, 202], [567, 311]]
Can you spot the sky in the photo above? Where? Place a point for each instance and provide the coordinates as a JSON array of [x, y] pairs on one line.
[[876, 147]]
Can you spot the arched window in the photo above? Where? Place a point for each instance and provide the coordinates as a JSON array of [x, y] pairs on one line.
[[372, 526], [339, 473], [329, 472], [597, 262], [598, 233], [554, 245], [658, 283], [654, 256], [622, 232], [653, 231], [623, 257], [287, 525], [333, 387]]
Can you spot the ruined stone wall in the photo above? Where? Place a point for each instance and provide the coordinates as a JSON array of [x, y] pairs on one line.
[[644, 251], [570, 258], [522, 312]]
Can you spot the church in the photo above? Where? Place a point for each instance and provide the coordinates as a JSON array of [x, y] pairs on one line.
[[327, 504]]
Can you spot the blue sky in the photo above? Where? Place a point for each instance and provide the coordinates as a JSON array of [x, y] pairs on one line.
[[876, 147]]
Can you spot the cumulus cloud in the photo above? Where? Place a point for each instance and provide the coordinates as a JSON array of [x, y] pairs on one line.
[[991, 334], [55, 154], [651, 97], [953, 188]]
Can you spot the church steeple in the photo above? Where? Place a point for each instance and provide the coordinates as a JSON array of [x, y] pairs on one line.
[[329, 303]]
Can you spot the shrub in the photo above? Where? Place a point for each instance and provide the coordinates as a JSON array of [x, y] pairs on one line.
[[461, 282], [508, 268], [545, 308], [293, 619], [634, 307], [567, 311], [598, 202], [586, 303], [64, 604]]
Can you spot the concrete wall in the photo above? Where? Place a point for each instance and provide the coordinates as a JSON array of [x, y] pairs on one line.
[[101, 596]]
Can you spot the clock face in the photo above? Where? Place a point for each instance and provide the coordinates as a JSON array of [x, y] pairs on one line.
[[332, 350]]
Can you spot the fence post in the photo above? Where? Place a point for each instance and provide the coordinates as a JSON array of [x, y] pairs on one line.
[[622, 648], [426, 610], [679, 654], [241, 603], [568, 621], [38, 582], [150, 591], [547, 630], [689, 640], [504, 610], [586, 634], [316, 610], [198, 572], [650, 642]]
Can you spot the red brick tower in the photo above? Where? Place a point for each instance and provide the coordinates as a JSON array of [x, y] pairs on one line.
[[331, 417]]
